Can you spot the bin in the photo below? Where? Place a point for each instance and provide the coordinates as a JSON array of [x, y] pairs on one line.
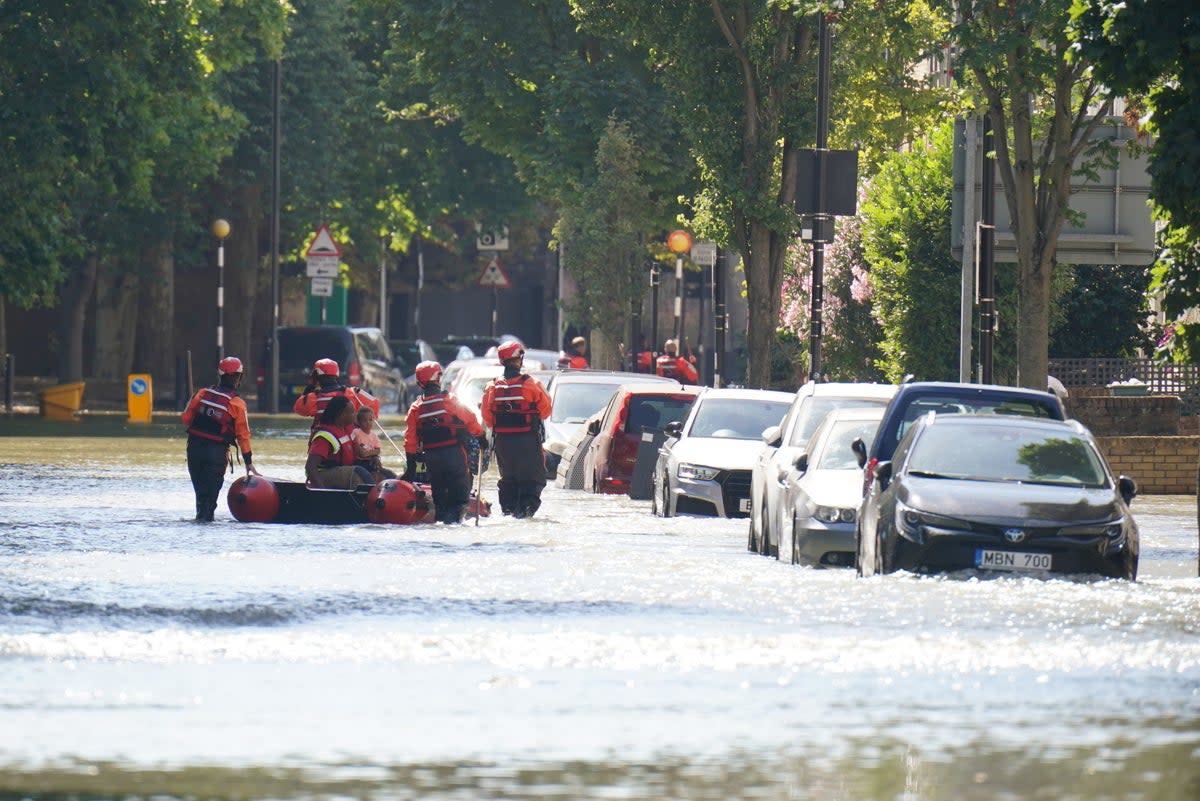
[[61, 402]]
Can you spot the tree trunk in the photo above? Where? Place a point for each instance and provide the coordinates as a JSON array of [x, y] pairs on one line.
[[76, 291], [155, 351], [763, 265], [3, 327], [116, 320], [243, 261]]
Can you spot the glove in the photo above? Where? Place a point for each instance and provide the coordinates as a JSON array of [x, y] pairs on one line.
[[410, 467]]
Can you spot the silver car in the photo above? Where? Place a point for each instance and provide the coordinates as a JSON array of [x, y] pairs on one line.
[[780, 445], [823, 489], [704, 466]]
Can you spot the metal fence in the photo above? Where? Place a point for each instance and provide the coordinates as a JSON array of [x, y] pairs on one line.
[[1162, 378]]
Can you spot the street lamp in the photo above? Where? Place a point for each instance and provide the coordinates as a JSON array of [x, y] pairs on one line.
[[220, 229], [679, 242]]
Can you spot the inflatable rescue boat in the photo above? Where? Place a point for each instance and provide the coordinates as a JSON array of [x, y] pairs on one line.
[[256, 499]]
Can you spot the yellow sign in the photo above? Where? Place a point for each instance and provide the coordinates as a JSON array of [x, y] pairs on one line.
[[141, 397]]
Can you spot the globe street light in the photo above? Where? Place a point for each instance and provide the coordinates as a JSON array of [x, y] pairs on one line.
[[679, 242], [220, 229]]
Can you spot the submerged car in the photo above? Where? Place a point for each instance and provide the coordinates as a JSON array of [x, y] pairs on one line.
[[823, 490], [704, 467], [363, 355], [576, 395], [989, 492], [782, 443], [634, 409]]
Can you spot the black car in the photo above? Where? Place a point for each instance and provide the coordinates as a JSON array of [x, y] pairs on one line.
[[916, 399], [988, 492], [362, 354]]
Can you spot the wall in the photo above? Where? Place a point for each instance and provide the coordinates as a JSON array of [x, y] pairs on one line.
[[1159, 465]]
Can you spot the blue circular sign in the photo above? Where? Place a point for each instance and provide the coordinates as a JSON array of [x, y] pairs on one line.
[[138, 386]]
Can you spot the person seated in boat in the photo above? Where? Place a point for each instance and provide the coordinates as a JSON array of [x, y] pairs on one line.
[[324, 384], [331, 459], [367, 447]]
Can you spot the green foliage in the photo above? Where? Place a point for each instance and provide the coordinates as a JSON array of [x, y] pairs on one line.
[[915, 278], [603, 236], [1102, 314]]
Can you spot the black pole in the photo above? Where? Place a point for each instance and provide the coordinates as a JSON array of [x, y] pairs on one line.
[[719, 320], [987, 275], [8, 383], [820, 219], [654, 281], [276, 83]]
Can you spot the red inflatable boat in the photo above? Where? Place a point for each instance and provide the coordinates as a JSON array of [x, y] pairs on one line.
[[256, 499]]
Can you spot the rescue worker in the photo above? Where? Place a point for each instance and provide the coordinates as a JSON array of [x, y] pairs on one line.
[[514, 407], [331, 456], [215, 418], [672, 365], [573, 357], [323, 384], [439, 432]]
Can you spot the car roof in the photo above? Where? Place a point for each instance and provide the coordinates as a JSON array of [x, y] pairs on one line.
[[1010, 420], [848, 389], [968, 390], [606, 377], [747, 394], [658, 389]]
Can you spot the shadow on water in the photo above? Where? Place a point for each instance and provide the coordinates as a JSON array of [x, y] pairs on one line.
[[881, 769]]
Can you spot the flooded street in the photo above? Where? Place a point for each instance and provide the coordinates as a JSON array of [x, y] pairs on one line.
[[592, 652]]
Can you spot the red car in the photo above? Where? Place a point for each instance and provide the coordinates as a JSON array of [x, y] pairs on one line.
[[633, 408]]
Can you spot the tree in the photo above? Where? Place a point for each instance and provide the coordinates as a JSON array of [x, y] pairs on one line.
[[1044, 103], [1102, 313], [606, 236]]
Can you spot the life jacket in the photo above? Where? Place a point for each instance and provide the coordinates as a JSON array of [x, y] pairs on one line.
[[339, 442], [324, 396], [513, 412], [667, 365], [213, 419], [437, 425]]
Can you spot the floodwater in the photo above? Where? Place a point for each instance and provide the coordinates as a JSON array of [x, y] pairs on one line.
[[593, 652]]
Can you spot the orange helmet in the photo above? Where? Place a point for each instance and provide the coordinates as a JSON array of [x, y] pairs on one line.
[[510, 350], [429, 373], [230, 365], [326, 366]]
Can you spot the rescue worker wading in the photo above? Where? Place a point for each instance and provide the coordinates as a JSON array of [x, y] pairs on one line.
[[216, 418], [331, 456], [438, 431], [672, 365], [514, 407], [323, 385]]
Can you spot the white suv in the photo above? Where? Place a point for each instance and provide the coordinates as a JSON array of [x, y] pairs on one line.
[[786, 441]]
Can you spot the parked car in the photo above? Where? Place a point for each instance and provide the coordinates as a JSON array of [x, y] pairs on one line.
[[363, 355], [472, 379], [576, 395], [991, 492], [479, 345], [571, 465], [412, 352], [915, 400], [633, 408], [823, 489], [781, 445], [447, 352], [704, 467]]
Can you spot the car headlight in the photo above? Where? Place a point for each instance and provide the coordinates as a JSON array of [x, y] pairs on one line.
[[1113, 529], [909, 521], [696, 472], [833, 514]]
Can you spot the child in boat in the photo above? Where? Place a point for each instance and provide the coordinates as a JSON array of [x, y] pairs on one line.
[[367, 446]]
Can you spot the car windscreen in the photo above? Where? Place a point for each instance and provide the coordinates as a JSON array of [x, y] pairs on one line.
[[817, 407], [949, 403], [409, 352], [836, 453], [575, 402], [651, 412], [373, 347], [736, 418], [299, 348], [1006, 453]]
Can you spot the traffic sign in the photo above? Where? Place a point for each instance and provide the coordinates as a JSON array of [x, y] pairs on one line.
[[323, 266], [322, 288], [492, 238], [324, 255], [704, 254], [493, 275], [323, 244]]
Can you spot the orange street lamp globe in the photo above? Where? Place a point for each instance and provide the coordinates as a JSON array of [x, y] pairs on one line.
[[220, 229], [679, 241]]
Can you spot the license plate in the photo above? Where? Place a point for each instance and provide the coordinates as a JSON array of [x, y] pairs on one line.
[[1011, 560], [744, 505]]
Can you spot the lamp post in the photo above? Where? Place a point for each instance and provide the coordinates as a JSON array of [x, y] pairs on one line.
[[679, 242], [220, 229]]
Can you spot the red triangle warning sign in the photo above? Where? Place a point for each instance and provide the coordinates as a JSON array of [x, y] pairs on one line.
[[493, 275], [323, 244]]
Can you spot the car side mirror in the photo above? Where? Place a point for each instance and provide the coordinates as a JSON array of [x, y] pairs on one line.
[[673, 428], [802, 462], [772, 436], [1128, 488], [860, 451], [883, 474], [594, 427]]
